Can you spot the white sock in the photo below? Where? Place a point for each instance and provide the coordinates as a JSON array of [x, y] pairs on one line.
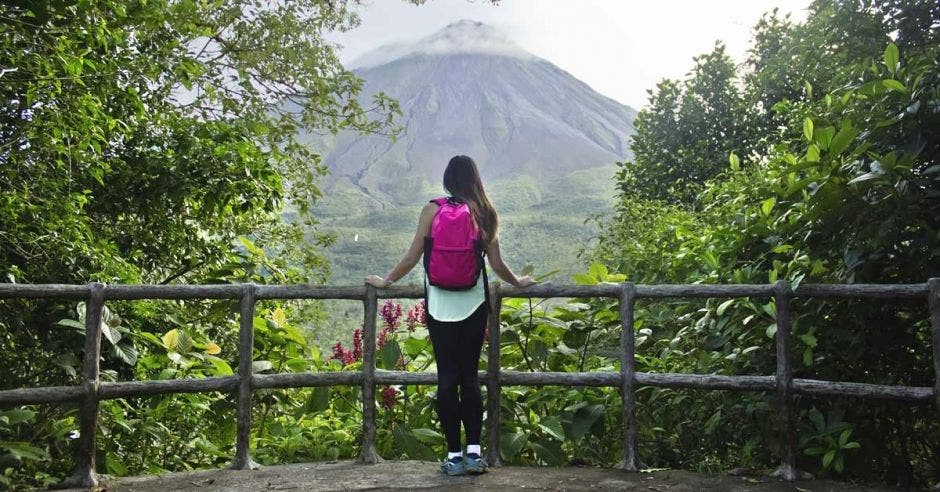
[[473, 448], [455, 454]]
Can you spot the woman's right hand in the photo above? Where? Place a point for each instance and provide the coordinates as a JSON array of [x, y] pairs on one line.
[[525, 281], [377, 281]]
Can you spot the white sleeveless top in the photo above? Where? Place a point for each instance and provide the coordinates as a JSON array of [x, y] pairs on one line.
[[454, 305]]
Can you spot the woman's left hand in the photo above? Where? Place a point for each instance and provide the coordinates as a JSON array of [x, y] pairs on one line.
[[377, 281]]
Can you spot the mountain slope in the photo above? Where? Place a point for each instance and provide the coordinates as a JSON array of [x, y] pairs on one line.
[[545, 143]]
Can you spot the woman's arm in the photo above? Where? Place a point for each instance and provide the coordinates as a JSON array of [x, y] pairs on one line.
[[414, 251], [496, 261]]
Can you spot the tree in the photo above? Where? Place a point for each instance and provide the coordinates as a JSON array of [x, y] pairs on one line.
[[155, 142], [843, 187], [684, 136]]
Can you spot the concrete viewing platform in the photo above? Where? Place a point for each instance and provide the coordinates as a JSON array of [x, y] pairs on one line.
[[422, 475]]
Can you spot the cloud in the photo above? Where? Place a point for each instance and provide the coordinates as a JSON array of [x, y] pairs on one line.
[[464, 36]]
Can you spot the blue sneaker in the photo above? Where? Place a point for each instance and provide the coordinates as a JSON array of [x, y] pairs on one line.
[[474, 464], [453, 466]]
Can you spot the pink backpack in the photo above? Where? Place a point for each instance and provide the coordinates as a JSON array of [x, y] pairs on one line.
[[453, 253]]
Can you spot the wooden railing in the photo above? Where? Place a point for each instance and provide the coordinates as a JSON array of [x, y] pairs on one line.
[[782, 382]]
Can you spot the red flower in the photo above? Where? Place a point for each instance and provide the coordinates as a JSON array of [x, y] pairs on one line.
[[390, 312], [389, 397], [357, 344], [416, 315], [338, 351], [345, 356], [383, 336]]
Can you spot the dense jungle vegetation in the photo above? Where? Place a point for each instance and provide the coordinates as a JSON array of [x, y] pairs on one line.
[[145, 142]]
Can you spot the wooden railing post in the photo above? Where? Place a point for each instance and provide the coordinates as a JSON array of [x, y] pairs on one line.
[[246, 345], [368, 454], [84, 474], [934, 303], [631, 460], [784, 382], [493, 385]]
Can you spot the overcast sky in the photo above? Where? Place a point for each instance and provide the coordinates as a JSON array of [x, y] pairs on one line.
[[621, 48]]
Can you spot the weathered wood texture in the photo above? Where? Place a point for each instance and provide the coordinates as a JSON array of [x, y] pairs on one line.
[[815, 387], [784, 385], [934, 304], [368, 454], [131, 389], [44, 291], [246, 344], [48, 394], [631, 460], [306, 379], [862, 291], [84, 474], [493, 375], [626, 380], [357, 292]]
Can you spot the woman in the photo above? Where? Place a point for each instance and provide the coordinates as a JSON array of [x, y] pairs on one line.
[[456, 319]]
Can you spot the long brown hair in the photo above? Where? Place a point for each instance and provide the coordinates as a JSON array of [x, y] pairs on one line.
[[462, 181]]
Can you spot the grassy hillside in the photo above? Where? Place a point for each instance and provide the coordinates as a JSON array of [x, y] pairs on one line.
[[542, 224]]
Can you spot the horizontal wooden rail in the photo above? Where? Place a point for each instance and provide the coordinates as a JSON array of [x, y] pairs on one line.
[[233, 291], [92, 390], [132, 389]]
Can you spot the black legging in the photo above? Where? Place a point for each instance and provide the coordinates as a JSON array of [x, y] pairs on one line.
[[457, 346]]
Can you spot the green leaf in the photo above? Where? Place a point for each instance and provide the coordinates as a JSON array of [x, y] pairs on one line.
[[827, 459], [809, 340], [21, 450], [842, 139], [864, 177], [771, 330], [891, 57], [222, 368], [552, 426], [893, 85], [583, 419], [16, 416], [844, 437], [812, 153], [712, 422], [823, 136], [112, 334], [318, 401], [808, 357], [71, 323], [388, 355], [734, 161], [724, 306], [808, 129], [428, 436], [549, 451], [511, 443], [583, 279], [815, 451], [598, 271], [126, 352], [261, 365], [767, 205], [413, 347], [170, 339]]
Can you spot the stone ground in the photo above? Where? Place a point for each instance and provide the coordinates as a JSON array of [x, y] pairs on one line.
[[418, 475]]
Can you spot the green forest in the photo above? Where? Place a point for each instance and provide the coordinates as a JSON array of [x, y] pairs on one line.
[[147, 141]]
